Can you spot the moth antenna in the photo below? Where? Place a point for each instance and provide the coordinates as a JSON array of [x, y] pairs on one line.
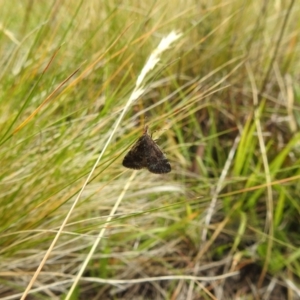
[[146, 129]]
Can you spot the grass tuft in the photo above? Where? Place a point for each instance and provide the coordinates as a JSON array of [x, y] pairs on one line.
[[218, 85]]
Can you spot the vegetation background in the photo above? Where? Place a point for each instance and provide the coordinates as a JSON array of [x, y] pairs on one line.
[[222, 100]]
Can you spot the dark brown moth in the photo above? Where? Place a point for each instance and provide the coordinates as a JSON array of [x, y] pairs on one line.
[[145, 153]]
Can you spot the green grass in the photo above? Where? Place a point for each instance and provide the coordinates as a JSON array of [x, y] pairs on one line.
[[223, 104]]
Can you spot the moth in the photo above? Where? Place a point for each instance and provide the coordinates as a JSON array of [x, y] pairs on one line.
[[145, 153]]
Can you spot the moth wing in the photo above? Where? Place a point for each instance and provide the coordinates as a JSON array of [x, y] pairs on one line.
[[135, 158], [156, 161]]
